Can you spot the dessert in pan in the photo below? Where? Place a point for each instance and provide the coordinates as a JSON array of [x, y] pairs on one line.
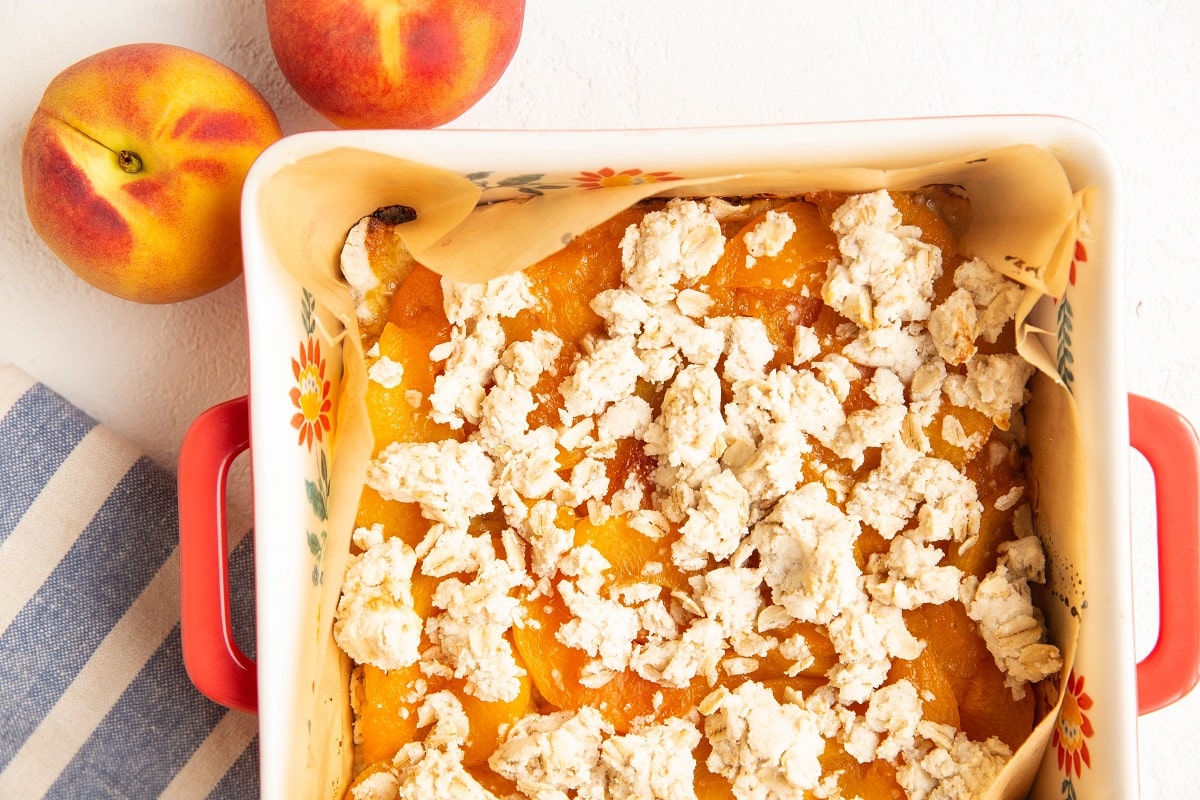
[[728, 497]]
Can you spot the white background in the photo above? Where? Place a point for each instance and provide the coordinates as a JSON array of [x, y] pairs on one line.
[[1131, 70]]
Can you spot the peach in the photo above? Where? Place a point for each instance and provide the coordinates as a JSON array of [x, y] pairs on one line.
[[133, 166], [393, 63]]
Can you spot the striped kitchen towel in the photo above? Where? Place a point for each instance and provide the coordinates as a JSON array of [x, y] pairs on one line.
[[94, 699]]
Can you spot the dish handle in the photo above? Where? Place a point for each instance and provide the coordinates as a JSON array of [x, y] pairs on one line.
[[219, 668], [214, 662], [1169, 444]]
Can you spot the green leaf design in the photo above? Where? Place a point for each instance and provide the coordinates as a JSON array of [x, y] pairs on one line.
[[539, 189], [526, 183], [1065, 358], [308, 306], [323, 467], [316, 499], [317, 547], [522, 180]]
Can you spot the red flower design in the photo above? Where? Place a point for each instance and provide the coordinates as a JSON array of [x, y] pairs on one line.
[[608, 177], [1073, 729], [311, 394], [1080, 257]]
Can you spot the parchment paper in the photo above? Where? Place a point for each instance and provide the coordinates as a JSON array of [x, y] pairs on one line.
[[1025, 222]]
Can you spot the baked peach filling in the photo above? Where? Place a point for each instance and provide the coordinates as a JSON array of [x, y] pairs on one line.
[[724, 499]]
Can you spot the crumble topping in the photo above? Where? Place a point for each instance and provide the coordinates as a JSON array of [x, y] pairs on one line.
[[867, 636], [954, 327], [424, 772], [688, 431], [994, 386], [717, 523], [452, 481], [768, 237], [507, 405], [765, 748], [949, 766], [607, 373], [995, 299], [806, 545], [1011, 625], [604, 629], [886, 273], [805, 345], [549, 755], [387, 373], [909, 575], [471, 629], [382, 785], [887, 728], [476, 340], [681, 242], [655, 763], [376, 622], [766, 473]]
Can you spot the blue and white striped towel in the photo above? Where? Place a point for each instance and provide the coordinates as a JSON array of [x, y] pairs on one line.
[[94, 699]]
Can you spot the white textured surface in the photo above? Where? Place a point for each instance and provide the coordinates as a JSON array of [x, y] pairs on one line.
[[1133, 74]]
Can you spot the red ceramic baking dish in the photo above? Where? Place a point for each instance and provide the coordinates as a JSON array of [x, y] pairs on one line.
[[289, 419]]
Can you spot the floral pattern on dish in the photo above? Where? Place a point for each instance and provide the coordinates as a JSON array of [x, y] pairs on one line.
[[311, 394], [1065, 359], [607, 178], [312, 397], [1072, 731]]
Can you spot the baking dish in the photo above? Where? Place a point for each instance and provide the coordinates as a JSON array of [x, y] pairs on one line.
[[295, 365]]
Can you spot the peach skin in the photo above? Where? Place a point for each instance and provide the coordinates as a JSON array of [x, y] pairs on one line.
[[393, 63], [133, 166]]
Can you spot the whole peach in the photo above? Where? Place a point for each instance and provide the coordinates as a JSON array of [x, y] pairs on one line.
[[133, 167], [393, 63]]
